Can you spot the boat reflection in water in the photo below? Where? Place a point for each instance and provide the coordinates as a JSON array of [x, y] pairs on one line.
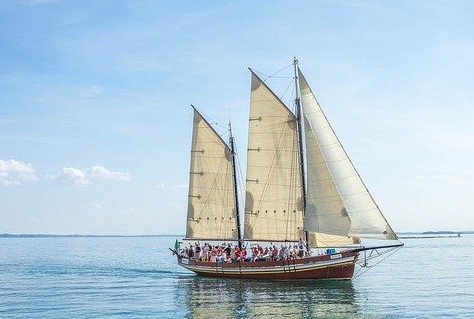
[[223, 298]]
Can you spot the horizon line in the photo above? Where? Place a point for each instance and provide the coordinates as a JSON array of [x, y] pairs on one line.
[[5, 234], [83, 235]]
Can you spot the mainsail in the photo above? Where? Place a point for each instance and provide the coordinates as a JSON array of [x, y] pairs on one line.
[[211, 210], [338, 202], [273, 208]]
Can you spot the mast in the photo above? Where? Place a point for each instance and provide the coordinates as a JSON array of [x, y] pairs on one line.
[[234, 176], [300, 144]]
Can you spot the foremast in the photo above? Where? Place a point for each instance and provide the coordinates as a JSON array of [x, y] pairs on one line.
[[236, 197]]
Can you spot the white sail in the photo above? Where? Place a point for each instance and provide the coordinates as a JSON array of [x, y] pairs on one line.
[[337, 200], [273, 208], [211, 200], [321, 240]]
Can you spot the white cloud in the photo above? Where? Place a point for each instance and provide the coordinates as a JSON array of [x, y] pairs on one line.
[[96, 206], [77, 176], [14, 172], [85, 177], [101, 172], [168, 186]]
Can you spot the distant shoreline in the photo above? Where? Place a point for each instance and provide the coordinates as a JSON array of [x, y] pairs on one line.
[[402, 235], [434, 234], [6, 235], [424, 236]]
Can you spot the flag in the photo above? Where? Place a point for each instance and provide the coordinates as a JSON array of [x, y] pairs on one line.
[[176, 244]]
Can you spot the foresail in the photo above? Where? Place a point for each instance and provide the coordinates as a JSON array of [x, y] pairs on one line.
[[325, 212], [273, 208], [338, 202], [211, 212]]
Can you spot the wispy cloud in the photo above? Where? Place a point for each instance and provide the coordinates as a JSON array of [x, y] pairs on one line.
[[168, 186], [13, 172], [96, 206], [101, 172], [76, 176], [85, 177]]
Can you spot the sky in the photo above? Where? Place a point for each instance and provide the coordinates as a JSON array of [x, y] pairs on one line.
[[95, 115]]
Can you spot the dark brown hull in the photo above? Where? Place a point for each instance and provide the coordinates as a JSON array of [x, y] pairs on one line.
[[335, 266]]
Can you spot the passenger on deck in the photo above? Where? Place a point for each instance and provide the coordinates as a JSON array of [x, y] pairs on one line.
[[227, 251], [205, 252], [258, 253], [275, 253], [266, 254], [301, 247], [286, 252], [254, 254], [197, 251], [213, 257], [233, 255], [240, 254]]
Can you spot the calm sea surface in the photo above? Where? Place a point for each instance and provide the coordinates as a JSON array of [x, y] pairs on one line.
[[136, 277]]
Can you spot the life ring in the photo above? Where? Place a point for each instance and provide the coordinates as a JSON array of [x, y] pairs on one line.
[[219, 252]]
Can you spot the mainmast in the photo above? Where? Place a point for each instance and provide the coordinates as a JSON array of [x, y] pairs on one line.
[[234, 175], [300, 143]]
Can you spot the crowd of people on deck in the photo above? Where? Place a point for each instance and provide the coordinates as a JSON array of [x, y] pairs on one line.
[[233, 253]]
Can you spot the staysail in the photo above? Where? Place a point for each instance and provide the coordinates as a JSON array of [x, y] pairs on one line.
[[338, 202], [211, 209], [273, 208]]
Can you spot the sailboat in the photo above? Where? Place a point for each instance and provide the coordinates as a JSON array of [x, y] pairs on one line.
[[304, 199]]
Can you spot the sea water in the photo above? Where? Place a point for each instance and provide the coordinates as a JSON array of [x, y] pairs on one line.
[[137, 277]]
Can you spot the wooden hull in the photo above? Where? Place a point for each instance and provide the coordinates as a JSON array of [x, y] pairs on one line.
[[335, 266]]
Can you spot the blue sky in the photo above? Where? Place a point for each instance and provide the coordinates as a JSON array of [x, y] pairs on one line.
[[95, 116]]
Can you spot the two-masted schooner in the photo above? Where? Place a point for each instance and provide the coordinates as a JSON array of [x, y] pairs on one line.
[[303, 197]]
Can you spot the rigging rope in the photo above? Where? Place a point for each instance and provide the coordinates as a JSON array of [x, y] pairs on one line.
[[362, 271], [273, 75]]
